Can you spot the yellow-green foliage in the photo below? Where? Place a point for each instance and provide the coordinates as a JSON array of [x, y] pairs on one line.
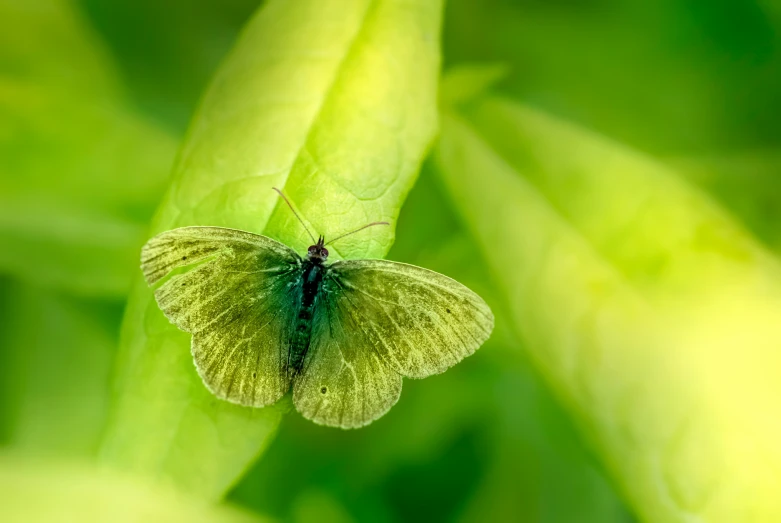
[[299, 103], [652, 313], [604, 174]]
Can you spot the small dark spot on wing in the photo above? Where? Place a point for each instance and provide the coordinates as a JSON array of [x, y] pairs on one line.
[[254, 374], [324, 390], [184, 258], [448, 311]]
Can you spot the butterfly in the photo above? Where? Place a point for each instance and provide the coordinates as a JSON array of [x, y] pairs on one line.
[[264, 319]]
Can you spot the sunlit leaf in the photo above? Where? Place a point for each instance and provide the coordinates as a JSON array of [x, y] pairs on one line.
[[33, 492], [336, 103], [653, 315]]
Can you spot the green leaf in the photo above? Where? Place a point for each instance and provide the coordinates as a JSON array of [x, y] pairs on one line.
[[653, 315], [680, 89], [184, 42], [82, 251], [464, 83], [32, 492], [746, 182], [57, 353], [79, 170], [336, 103], [534, 448], [315, 506]]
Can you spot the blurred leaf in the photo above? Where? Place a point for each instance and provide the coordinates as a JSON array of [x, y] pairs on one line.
[[79, 250], [169, 50], [632, 292], [57, 354], [466, 82], [32, 492], [65, 52], [673, 77], [79, 171], [747, 183], [334, 101], [314, 507]]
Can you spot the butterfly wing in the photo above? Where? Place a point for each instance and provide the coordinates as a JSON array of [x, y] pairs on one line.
[[236, 293], [375, 322]]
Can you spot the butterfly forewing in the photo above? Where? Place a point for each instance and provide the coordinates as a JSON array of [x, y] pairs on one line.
[[376, 321], [237, 293]]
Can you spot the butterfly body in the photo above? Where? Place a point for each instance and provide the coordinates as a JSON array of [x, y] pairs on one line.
[[313, 272], [342, 335]]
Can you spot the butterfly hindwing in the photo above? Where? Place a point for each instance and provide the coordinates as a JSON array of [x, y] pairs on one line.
[[376, 321], [236, 292], [343, 382]]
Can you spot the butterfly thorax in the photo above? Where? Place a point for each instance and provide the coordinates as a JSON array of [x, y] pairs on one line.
[[313, 270]]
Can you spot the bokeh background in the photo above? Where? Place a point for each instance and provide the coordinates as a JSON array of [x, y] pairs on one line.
[[95, 98]]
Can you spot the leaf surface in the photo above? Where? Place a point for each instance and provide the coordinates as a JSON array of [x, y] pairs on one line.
[[55, 362], [32, 492], [335, 103], [79, 168], [653, 315]]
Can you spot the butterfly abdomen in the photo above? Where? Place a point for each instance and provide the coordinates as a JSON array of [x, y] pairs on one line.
[[313, 273]]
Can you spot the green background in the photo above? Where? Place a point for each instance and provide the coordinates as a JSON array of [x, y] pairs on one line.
[[605, 173]]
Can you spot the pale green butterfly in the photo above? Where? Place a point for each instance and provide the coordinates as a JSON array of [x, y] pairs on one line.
[[342, 334]]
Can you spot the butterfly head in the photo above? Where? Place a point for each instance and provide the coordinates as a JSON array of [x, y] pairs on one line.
[[318, 252]]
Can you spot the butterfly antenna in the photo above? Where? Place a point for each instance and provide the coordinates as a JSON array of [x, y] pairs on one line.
[[356, 230], [295, 213]]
